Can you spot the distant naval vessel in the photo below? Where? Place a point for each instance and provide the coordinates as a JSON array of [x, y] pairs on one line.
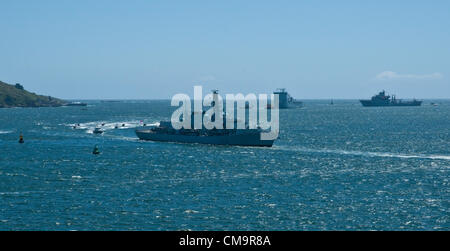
[[385, 100], [76, 104], [234, 137], [285, 100]]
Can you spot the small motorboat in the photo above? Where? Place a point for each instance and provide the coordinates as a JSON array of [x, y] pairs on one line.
[[98, 130]]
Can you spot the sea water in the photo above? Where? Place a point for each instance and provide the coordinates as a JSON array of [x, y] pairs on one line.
[[334, 167]]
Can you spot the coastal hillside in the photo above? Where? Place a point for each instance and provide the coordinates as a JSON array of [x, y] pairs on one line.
[[17, 96]]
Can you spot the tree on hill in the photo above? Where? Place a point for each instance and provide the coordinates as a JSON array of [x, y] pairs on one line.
[[19, 86]]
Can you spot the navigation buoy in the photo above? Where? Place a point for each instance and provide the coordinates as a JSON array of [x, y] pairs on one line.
[[96, 151], [21, 141]]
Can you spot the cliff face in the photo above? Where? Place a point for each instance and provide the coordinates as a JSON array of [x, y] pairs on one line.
[[17, 96]]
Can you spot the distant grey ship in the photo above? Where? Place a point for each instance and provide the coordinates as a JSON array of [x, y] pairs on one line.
[[237, 137], [285, 100], [234, 137], [76, 104], [385, 100]]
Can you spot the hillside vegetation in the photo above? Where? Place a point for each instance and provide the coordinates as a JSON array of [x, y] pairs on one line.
[[17, 96]]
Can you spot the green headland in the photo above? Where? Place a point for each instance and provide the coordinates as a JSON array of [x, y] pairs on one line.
[[17, 96]]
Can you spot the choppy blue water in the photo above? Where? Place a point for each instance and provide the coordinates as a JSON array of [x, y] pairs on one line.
[[341, 167]]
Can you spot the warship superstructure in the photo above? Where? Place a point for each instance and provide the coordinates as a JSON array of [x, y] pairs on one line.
[[165, 132], [285, 100]]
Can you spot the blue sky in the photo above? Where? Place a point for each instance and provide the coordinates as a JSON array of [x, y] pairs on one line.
[[155, 49]]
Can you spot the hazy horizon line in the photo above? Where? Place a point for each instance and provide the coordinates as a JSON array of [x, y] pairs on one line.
[[167, 99]]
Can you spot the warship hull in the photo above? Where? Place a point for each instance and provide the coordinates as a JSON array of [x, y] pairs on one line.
[[370, 103], [231, 140]]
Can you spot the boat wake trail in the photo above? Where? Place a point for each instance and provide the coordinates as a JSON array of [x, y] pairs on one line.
[[124, 138], [368, 154], [109, 125]]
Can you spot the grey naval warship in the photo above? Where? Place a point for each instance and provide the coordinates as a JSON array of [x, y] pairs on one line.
[[237, 137], [286, 100], [385, 100], [165, 132]]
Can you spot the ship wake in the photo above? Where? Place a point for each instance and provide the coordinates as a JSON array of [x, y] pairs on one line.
[[109, 125], [368, 154]]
